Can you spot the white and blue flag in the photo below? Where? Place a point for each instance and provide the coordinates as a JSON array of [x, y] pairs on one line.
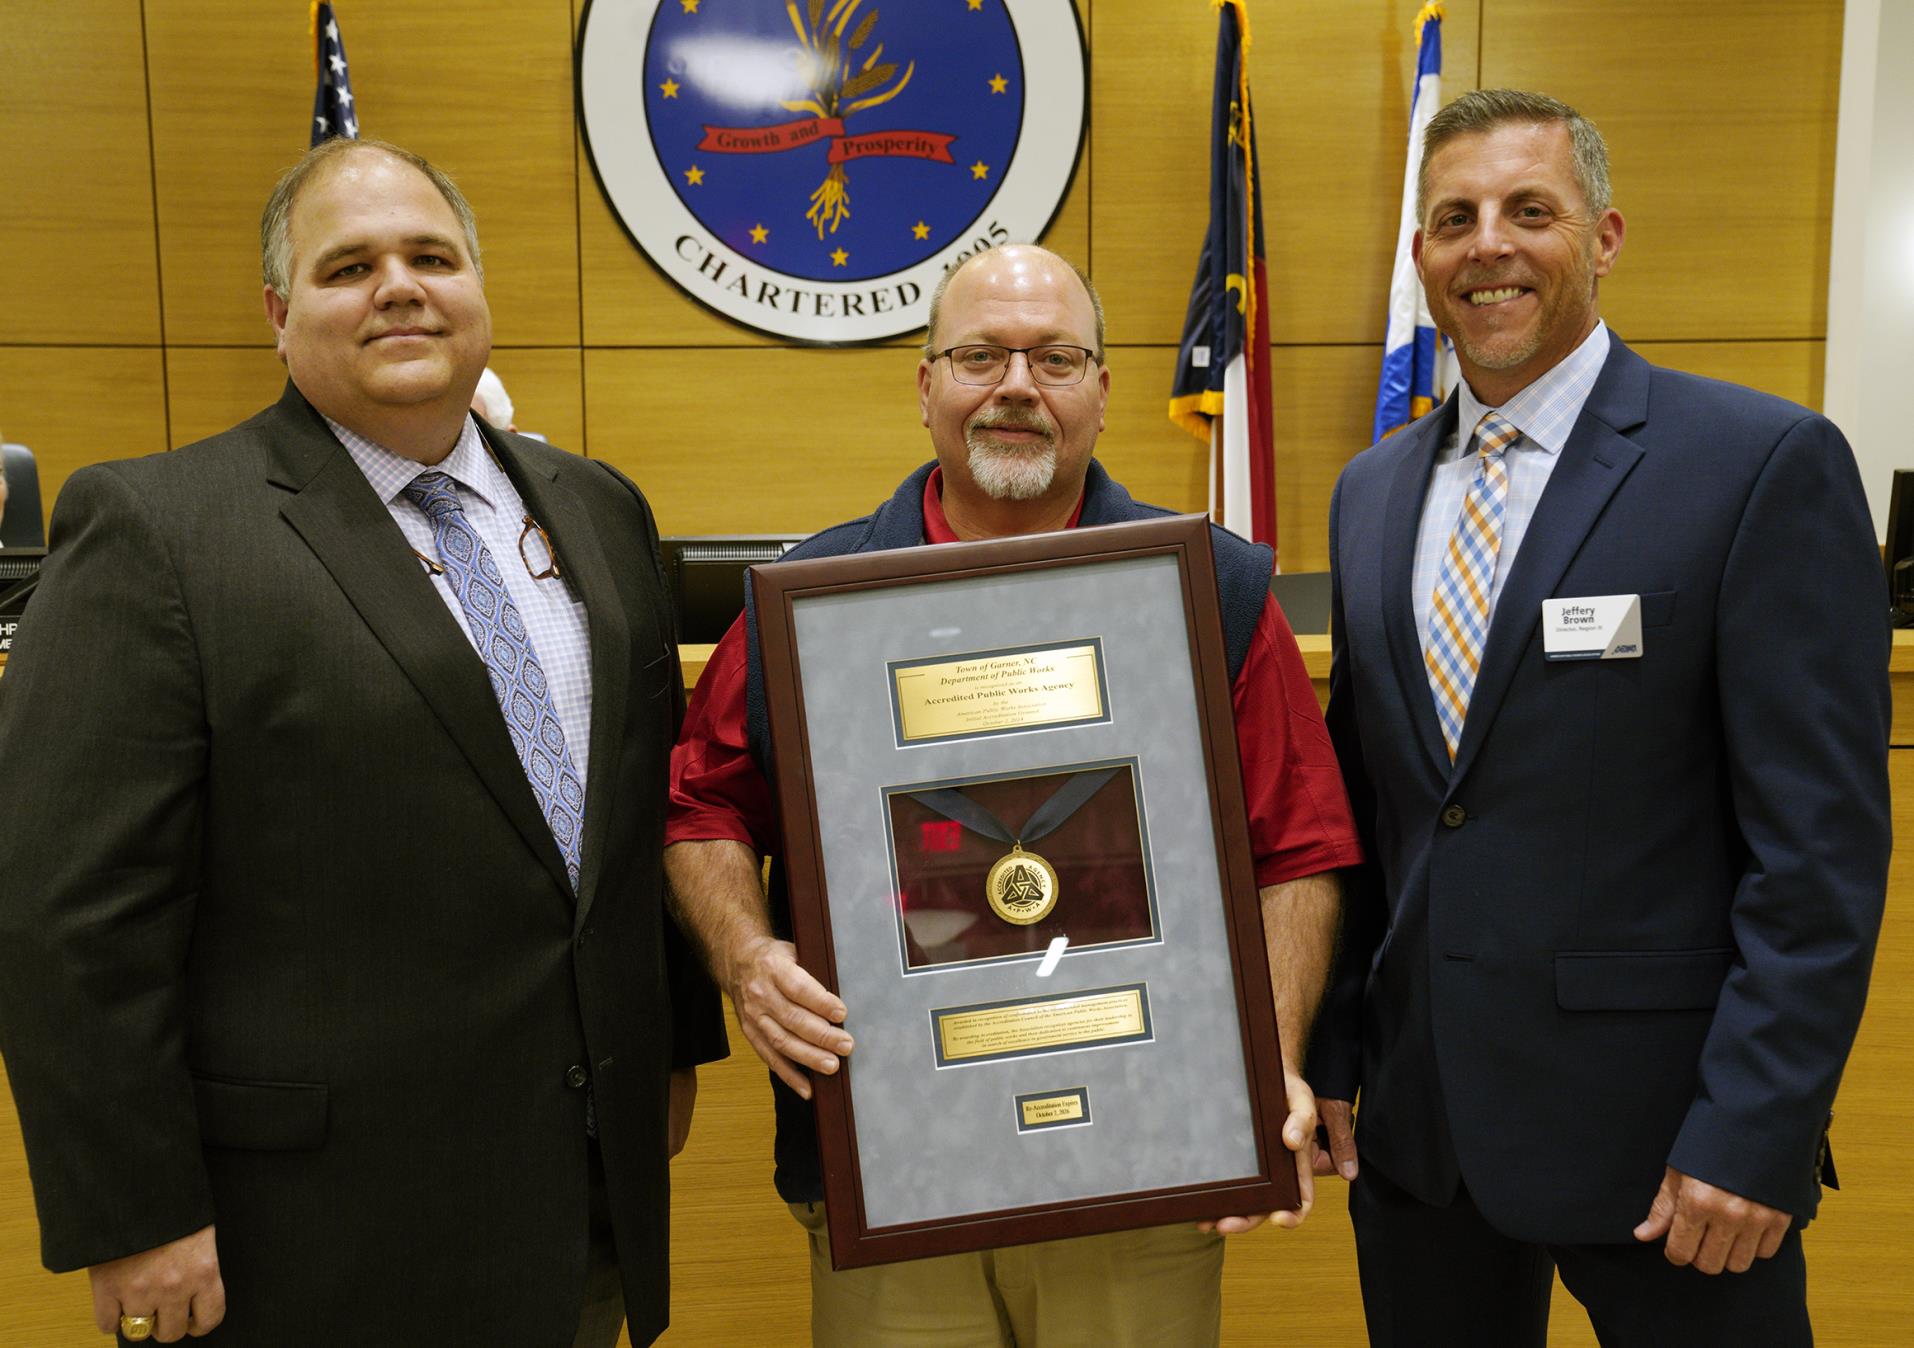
[[1417, 363]]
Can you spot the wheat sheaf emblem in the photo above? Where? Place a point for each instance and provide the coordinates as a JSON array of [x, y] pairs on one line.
[[840, 86]]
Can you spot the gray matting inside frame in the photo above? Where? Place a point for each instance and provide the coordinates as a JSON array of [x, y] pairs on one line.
[[936, 1143]]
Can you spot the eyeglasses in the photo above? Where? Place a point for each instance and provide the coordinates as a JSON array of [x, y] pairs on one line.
[[550, 571], [982, 363]]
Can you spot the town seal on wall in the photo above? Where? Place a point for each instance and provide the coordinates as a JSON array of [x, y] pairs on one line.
[[809, 168]]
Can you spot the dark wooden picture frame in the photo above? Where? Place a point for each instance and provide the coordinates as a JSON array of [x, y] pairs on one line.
[[779, 589]]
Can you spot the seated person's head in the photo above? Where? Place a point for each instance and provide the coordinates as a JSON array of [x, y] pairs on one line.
[[492, 403]]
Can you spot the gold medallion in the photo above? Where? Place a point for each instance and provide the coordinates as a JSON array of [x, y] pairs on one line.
[[1022, 887]]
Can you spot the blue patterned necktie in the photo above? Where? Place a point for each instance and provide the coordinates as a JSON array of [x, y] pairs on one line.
[[518, 680]]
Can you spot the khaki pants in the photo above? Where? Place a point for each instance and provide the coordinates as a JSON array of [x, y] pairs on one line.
[[1156, 1288]]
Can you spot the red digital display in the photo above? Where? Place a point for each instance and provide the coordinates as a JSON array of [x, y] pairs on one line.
[[940, 835]]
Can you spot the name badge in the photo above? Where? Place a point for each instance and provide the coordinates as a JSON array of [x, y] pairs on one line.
[[1594, 627]]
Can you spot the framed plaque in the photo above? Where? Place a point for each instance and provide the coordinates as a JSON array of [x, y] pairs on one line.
[[1017, 849]]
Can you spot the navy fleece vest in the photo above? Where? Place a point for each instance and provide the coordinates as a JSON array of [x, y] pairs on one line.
[[1242, 581]]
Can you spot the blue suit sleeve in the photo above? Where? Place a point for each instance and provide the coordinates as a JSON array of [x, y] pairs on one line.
[[1802, 652]]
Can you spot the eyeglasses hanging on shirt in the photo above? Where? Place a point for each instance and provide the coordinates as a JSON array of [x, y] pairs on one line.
[[528, 553]]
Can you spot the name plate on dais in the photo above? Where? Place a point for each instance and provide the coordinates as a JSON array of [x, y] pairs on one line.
[[998, 692], [1017, 1029]]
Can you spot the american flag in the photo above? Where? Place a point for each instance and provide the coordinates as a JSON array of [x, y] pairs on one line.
[[332, 110]]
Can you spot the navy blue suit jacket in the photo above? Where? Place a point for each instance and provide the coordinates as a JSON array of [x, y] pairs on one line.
[[1632, 926]]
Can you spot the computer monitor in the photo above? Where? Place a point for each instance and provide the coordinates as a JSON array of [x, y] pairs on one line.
[[20, 526], [705, 577], [19, 574], [1897, 552], [1304, 597]]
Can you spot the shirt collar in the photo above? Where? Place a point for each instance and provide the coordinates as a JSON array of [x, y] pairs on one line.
[[1547, 409], [937, 529], [390, 474]]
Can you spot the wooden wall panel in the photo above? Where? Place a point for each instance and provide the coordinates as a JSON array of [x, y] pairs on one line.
[[35, 1307], [740, 1270], [1322, 397], [210, 389], [826, 435], [230, 111], [1332, 86], [1791, 370], [1720, 123], [485, 94], [76, 208], [78, 405], [213, 388], [1158, 461], [1858, 1288], [548, 391]]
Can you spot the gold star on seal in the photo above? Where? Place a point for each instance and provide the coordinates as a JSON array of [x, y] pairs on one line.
[[920, 230], [976, 4], [998, 84], [980, 169], [839, 257], [669, 88], [691, 6], [694, 175], [758, 232]]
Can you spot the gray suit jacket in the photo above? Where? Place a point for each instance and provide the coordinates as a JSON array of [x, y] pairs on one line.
[[285, 943]]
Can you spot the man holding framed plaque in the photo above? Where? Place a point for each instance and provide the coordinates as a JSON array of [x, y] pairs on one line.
[[1012, 387]]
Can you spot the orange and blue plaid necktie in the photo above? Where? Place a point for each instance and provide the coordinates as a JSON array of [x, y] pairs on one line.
[[1459, 613]]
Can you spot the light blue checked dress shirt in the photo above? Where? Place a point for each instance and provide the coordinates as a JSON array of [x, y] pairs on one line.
[[1545, 411], [554, 619]]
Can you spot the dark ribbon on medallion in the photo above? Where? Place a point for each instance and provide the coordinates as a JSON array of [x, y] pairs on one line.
[[1046, 819]]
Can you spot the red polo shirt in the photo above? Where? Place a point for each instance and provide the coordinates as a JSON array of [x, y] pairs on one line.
[[1299, 817]]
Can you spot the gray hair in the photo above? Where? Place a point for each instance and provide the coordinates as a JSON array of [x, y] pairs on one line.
[[275, 222], [943, 284], [1483, 110]]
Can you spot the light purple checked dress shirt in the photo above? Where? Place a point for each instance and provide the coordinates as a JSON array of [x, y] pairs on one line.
[[554, 618], [1545, 413]]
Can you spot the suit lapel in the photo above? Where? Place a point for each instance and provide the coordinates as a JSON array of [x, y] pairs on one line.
[[354, 537], [1407, 490], [1595, 462], [582, 559]]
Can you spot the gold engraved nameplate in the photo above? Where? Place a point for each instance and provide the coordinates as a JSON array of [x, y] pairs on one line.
[[997, 691]]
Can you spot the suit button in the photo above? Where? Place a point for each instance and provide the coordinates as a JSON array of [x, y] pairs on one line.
[[584, 936], [1454, 816], [576, 1076]]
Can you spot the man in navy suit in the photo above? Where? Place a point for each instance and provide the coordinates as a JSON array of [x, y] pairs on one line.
[[1609, 690]]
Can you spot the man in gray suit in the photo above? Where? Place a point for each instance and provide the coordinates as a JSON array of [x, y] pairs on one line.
[[336, 988]]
